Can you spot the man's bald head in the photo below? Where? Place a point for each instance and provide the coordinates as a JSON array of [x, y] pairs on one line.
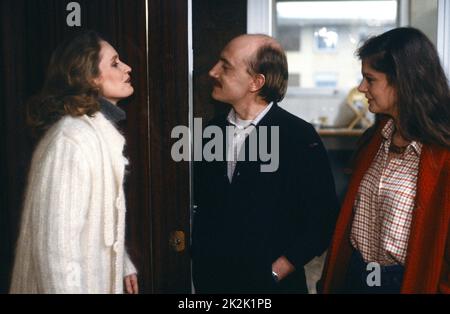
[[258, 39], [253, 42]]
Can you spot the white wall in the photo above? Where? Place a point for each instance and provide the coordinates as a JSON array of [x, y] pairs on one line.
[[259, 16]]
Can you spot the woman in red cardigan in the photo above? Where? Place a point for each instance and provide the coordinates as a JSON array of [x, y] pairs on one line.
[[392, 235]]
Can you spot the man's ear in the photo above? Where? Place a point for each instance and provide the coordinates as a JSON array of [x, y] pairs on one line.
[[258, 82]]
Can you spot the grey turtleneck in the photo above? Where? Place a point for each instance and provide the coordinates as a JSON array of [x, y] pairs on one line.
[[111, 112]]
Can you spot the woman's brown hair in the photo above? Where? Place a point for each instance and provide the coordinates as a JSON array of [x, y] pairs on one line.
[[69, 87]]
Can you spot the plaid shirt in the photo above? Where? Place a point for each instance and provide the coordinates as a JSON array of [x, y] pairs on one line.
[[385, 203]]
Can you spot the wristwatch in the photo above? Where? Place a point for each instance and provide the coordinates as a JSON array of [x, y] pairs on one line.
[[275, 277]]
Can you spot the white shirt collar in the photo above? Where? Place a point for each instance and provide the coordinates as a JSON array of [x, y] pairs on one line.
[[232, 118]]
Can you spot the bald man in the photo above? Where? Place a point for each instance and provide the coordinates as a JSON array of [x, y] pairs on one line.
[[258, 221]]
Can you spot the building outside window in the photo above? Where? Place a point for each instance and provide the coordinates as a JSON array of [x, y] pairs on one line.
[[328, 33], [324, 68]]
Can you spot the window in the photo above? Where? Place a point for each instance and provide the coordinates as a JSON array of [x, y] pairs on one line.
[[326, 80], [326, 39], [321, 37]]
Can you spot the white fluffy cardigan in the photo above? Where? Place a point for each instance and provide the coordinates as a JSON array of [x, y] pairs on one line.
[[73, 223]]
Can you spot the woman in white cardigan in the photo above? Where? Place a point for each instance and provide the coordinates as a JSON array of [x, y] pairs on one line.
[[73, 222]]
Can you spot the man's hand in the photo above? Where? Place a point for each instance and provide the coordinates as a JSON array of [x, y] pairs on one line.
[[282, 267], [131, 284]]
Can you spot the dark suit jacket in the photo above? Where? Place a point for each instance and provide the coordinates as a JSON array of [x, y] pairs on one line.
[[240, 229]]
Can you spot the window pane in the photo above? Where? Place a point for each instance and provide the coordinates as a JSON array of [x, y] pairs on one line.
[[321, 38], [326, 38]]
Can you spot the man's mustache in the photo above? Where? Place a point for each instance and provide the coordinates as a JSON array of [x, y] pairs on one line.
[[216, 83]]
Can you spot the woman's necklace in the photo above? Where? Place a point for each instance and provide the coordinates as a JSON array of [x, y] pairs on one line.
[[400, 150], [397, 149]]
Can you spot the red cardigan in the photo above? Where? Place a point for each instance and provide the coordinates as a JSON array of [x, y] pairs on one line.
[[427, 265]]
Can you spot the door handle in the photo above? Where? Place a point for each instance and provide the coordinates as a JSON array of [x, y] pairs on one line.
[[177, 241]]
